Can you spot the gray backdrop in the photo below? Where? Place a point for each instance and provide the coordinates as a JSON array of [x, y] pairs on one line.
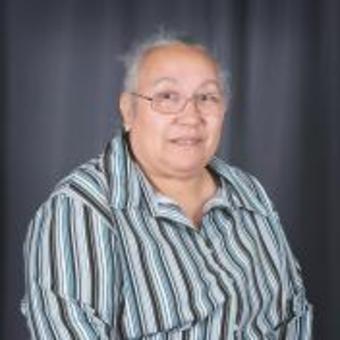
[[60, 86]]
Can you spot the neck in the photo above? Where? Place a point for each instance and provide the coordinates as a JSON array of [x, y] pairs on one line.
[[191, 193], [180, 187]]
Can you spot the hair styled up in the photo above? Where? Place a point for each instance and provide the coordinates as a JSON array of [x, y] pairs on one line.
[[134, 58]]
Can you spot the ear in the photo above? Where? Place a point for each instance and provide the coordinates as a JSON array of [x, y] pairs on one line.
[[126, 110]]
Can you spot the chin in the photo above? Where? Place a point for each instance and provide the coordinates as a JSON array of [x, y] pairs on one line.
[[185, 168]]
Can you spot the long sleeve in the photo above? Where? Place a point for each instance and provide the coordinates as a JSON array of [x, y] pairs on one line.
[[297, 311], [70, 272]]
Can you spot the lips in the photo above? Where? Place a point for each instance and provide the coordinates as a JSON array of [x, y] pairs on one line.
[[186, 141]]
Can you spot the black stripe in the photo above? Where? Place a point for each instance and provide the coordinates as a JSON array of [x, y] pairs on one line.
[[119, 217], [156, 246], [219, 220], [90, 244], [249, 254], [156, 305]]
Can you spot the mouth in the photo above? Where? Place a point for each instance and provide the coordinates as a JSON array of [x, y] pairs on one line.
[[187, 141]]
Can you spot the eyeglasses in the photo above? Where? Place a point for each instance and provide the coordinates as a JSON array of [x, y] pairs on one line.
[[171, 102]]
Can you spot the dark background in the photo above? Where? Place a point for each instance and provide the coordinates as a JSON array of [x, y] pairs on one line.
[[59, 93]]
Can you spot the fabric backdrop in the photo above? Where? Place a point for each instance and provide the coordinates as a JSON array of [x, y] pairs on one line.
[[62, 76]]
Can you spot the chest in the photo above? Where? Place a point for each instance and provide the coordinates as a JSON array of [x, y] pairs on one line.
[[175, 277]]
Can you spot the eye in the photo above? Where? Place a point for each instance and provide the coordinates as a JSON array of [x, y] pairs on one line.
[[209, 98], [167, 96]]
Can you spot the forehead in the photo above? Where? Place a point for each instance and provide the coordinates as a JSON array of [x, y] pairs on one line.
[[179, 63]]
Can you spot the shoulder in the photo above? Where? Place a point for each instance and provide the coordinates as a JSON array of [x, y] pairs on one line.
[[71, 237], [88, 181]]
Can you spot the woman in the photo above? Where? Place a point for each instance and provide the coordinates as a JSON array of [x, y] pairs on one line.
[[157, 238]]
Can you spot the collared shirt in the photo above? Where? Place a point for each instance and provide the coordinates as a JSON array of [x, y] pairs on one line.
[[107, 257]]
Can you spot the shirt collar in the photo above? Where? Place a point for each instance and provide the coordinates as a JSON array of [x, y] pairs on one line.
[[129, 188], [241, 191]]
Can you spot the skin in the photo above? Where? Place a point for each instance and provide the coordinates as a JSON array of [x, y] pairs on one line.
[[173, 150]]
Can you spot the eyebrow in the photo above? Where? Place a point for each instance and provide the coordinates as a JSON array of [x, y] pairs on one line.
[[165, 79], [175, 81], [210, 82]]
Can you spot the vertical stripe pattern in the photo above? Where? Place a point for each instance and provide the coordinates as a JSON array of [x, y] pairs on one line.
[[108, 258]]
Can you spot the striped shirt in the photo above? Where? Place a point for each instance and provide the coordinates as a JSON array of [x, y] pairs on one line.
[[106, 257]]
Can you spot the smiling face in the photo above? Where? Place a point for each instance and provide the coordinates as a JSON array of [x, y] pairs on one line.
[[181, 144]]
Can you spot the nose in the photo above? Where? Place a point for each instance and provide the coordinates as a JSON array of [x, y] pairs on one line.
[[190, 114]]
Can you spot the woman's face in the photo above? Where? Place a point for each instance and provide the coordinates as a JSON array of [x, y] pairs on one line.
[[179, 144]]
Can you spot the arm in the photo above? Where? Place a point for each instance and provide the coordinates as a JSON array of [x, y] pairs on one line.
[[71, 281]]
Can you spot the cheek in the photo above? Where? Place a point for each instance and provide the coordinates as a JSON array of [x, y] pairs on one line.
[[150, 131], [215, 129]]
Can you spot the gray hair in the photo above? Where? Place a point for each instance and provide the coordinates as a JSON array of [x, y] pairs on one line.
[[133, 59]]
